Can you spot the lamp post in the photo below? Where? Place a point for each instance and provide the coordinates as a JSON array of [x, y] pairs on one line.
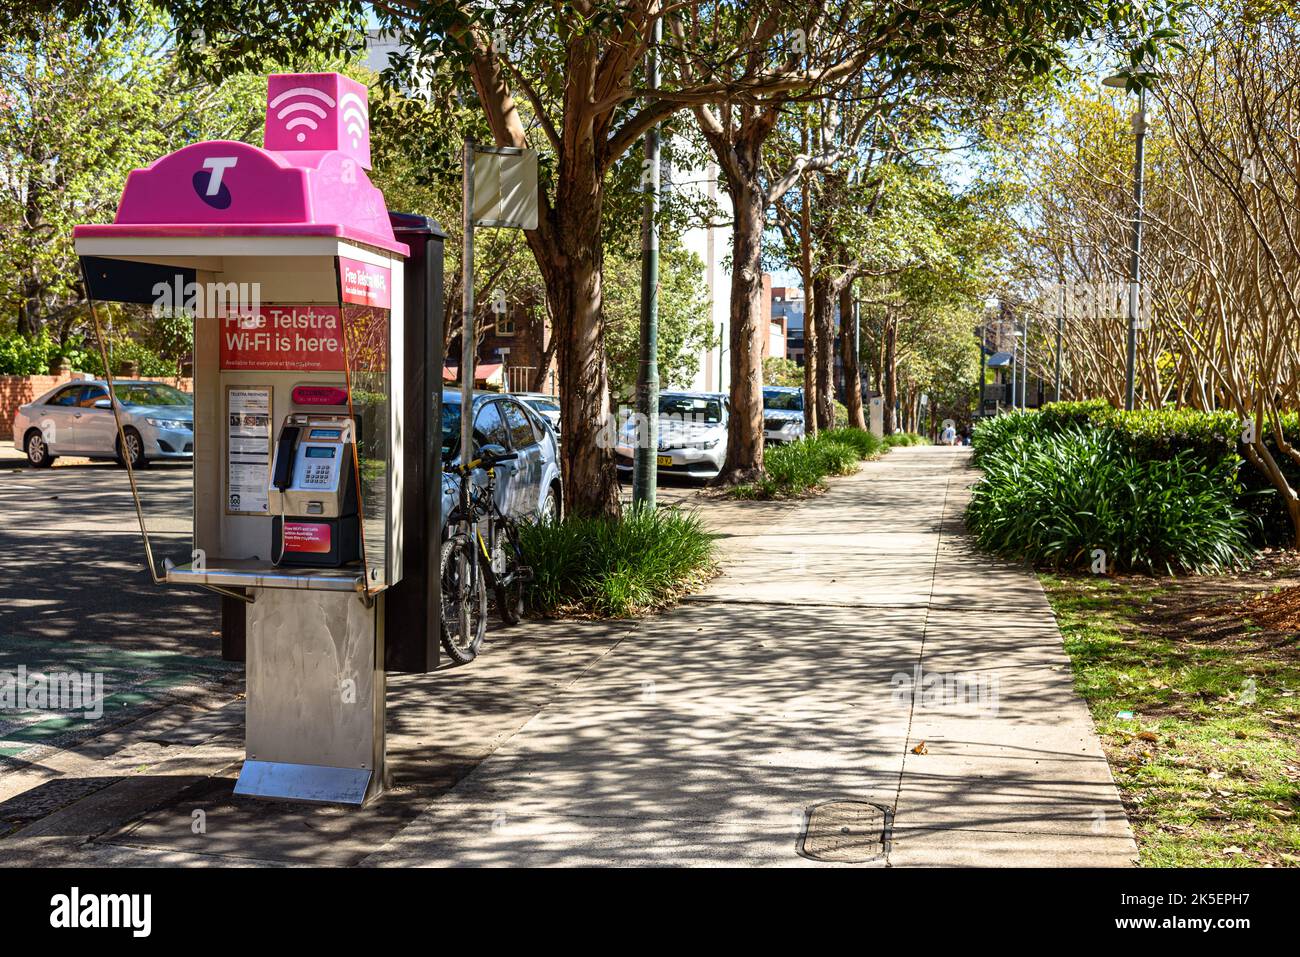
[[1015, 366], [1121, 81], [645, 479], [1024, 372]]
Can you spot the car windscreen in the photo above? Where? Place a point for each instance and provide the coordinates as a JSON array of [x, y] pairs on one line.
[[151, 393], [543, 405], [782, 401], [691, 408]]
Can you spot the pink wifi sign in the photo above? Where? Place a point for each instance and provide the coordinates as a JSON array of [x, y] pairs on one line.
[[318, 112]]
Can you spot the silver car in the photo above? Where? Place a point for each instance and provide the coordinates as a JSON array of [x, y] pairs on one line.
[[77, 419], [547, 406], [692, 435], [528, 488], [782, 414]]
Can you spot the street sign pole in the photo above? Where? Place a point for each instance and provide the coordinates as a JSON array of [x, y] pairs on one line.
[[467, 309], [645, 455], [1135, 262]]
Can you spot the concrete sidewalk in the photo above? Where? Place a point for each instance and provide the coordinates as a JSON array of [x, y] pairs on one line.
[[709, 734], [704, 735]]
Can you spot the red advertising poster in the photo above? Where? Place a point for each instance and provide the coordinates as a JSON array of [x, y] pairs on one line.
[[363, 284], [312, 537], [283, 339]]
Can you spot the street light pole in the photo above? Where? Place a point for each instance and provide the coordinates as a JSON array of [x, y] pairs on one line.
[[1135, 262], [1015, 364], [645, 455], [1060, 329], [1024, 377]]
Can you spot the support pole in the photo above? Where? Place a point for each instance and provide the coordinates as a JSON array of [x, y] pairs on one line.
[[467, 309], [1135, 260], [645, 455], [1060, 329]]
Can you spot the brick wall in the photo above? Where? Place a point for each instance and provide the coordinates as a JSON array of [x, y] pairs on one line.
[[16, 390]]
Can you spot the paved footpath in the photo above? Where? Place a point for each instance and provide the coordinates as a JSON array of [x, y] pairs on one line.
[[708, 734], [704, 735]]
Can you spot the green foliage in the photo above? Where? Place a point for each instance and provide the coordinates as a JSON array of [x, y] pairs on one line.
[[685, 326], [783, 372], [615, 568], [1053, 499], [33, 355], [904, 439], [799, 467]]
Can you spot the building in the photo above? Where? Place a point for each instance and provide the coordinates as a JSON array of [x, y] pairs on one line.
[[787, 306]]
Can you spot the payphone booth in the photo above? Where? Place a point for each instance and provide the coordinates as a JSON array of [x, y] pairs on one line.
[[287, 260]]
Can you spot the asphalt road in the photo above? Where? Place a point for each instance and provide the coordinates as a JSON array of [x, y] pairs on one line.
[[75, 596]]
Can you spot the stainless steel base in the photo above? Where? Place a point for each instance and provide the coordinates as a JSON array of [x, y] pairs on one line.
[[315, 726], [303, 782]]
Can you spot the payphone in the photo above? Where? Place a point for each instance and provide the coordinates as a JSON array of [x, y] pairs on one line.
[[300, 297], [313, 493]]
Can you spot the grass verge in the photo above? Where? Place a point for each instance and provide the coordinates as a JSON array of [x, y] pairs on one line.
[[1201, 732], [616, 568]]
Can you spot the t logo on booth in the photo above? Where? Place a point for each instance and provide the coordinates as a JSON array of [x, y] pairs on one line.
[[212, 191]]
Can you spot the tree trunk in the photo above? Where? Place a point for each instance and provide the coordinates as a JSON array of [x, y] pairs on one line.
[[825, 322], [745, 436], [852, 367], [890, 375], [571, 268], [811, 354]]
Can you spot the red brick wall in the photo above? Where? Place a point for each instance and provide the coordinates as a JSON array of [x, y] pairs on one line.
[[16, 390]]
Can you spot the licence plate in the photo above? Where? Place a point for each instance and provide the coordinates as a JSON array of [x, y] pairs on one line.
[[665, 460]]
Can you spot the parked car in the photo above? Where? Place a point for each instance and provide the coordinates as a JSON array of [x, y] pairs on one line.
[[528, 488], [692, 435], [782, 414], [77, 419], [547, 406]]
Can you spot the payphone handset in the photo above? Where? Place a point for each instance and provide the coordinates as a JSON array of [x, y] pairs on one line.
[[313, 496]]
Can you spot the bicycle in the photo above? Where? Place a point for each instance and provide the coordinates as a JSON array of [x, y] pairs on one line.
[[472, 564]]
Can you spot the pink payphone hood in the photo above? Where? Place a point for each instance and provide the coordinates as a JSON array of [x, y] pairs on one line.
[[228, 188]]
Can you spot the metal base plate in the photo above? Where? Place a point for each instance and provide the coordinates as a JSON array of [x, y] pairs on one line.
[[303, 782]]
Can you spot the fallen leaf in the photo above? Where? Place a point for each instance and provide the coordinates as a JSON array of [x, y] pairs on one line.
[[1233, 850], [921, 749], [1148, 736]]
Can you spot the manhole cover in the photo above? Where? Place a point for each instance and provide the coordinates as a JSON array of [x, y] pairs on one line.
[[848, 832]]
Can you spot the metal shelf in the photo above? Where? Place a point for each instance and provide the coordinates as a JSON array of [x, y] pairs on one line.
[[258, 574]]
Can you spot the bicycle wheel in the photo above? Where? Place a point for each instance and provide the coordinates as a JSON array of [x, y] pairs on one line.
[[508, 573], [464, 599]]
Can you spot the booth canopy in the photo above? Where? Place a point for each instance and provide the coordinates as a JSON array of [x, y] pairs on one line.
[[310, 181]]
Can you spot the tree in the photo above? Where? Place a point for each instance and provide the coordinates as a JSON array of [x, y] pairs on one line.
[[76, 115]]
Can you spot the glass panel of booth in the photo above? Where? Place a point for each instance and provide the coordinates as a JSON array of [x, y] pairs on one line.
[[285, 414], [366, 348], [135, 356]]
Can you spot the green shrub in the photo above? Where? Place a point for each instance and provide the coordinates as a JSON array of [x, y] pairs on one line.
[[799, 467], [905, 438], [35, 355], [865, 443], [1053, 499], [615, 568]]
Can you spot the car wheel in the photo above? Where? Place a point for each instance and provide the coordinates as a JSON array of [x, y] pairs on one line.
[[549, 513], [38, 453], [134, 446]]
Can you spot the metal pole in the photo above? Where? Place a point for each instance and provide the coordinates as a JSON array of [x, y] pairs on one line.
[[467, 308], [1060, 329], [645, 469], [1024, 378], [979, 392], [1135, 263], [1015, 365]]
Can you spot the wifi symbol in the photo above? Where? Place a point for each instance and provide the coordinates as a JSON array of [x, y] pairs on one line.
[[304, 107], [354, 116]]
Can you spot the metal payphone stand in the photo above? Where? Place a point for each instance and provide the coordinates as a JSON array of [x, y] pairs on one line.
[[326, 336]]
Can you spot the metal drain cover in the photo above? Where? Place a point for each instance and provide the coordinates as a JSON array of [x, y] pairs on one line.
[[846, 832]]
